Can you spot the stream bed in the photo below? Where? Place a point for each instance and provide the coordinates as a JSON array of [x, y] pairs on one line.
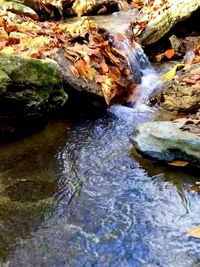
[[78, 195]]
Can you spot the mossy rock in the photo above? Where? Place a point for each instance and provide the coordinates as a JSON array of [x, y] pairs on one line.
[[29, 87]]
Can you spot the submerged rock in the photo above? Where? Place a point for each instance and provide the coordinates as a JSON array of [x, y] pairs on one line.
[[29, 87], [167, 142]]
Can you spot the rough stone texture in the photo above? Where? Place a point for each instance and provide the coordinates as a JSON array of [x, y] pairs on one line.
[[20, 9], [105, 7], [29, 87], [116, 23], [161, 25], [101, 7], [113, 25], [165, 141], [179, 97]]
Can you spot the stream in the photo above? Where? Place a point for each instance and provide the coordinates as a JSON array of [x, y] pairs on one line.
[[77, 194]]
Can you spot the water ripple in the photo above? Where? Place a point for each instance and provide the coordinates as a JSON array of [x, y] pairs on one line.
[[119, 215]]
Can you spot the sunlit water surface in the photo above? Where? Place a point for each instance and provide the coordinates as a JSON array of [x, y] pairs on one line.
[[80, 196]]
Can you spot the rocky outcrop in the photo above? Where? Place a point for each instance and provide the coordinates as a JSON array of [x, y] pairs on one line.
[[162, 24], [19, 9], [181, 94], [57, 9], [29, 87], [167, 142]]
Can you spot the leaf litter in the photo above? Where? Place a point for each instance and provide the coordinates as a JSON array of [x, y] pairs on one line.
[[93, 57]]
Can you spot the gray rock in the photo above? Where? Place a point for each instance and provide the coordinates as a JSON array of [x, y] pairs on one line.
[[162, 24], [165, 141], [29, 87], [178, 97], [19, 9]]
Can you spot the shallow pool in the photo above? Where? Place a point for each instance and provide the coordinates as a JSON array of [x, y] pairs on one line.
[[79, 195]]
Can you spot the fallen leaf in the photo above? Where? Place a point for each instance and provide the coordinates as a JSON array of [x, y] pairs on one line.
[[104, 66], [194, 232], [108, 87], [196, 86], [8, 50], [195, 187], [170, 53], [83, 6], [170, 74], [189, 81], [178, 163]]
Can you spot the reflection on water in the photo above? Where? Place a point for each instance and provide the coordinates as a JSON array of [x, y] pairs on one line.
[[111, 208]]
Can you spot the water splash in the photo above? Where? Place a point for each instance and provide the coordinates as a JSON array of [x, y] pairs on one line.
[[137, 59], [146, 77]]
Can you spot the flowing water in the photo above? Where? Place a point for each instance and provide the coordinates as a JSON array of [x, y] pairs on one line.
[[148, 80], [78, 194]]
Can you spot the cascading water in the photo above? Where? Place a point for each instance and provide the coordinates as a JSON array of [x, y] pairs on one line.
[[143, 73]]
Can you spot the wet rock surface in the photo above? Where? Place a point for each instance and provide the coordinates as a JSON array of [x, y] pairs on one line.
[[178, 95], [167, 142], [29, 87]]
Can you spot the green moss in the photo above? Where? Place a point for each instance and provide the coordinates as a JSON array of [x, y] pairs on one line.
[[4, 81], [35, 85]]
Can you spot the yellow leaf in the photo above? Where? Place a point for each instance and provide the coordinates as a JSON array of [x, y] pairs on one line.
[[37, 42], [80, 28], [91, 73], [108, 87], [178, 163], [83, 6], [194, 232], [28, 26], [170, 74], [8, 50]]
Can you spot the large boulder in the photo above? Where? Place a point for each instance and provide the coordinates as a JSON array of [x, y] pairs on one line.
[[163, 23], [167, 142], [19, 9], [29, 87], [180, 94]]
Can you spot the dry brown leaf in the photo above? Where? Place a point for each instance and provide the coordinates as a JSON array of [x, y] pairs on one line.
[[196, 86], [195, 187], [189, 81]]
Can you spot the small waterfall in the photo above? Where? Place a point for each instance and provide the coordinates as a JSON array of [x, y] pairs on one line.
[[137, 59], [143, 73]]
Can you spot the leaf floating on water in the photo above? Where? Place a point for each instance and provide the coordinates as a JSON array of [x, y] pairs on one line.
[[178, 163], [195, 187], [170, 74], [194, 232]]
